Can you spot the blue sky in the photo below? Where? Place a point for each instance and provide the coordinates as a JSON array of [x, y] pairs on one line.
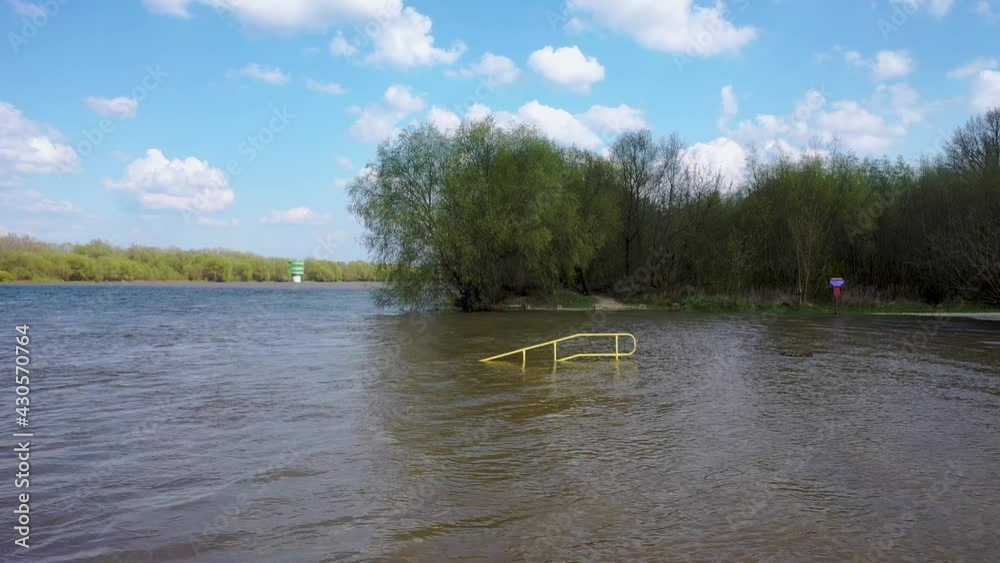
[[236, 124]]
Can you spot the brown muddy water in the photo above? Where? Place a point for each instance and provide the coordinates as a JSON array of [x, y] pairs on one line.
[[300, 424]]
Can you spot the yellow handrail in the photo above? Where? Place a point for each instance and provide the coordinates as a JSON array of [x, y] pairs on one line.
[[555, 348]]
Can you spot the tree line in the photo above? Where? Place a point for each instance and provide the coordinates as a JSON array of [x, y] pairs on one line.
[[23, 258], [483, 214]]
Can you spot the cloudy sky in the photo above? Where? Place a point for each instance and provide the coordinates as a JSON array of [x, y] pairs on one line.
[[237, 124]]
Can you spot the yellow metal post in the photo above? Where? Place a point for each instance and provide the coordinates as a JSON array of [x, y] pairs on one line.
[[616, 346], [524, 358], [555, 355]]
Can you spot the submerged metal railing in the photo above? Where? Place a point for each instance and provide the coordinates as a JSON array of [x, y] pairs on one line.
[[555, 348]]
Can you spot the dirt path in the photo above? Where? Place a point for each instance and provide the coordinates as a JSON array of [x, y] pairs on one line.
[[610, 304]]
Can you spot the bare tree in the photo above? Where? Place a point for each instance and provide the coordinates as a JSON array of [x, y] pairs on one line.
[[975, 147], [636, 156]]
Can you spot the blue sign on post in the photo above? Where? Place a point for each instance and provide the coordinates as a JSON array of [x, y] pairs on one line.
[[837, 282]]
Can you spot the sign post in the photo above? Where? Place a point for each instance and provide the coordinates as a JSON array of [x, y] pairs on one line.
[[836, 284]]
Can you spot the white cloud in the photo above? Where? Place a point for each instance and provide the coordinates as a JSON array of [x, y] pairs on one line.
[[262, 73], [937, 8], [613, 120], [889, 65], [339, 46], [497, 69], [859, 129], [120, 107], [730, 106], [27, 9], [27, 147], [287, 15], [584, 130], [295, 216], [985, 9], [674, 26], [187, 185], [331, 88], [176, 8], [403, 99], [311, 51], [567, 67], [33, 201], [873, 126], [723, 155], [379, 121], [445, 121], [221, 223], [343, 162], [902, 101], [557, 124], [405, 41], [400, 35], [974, 67], [886, 65], [986, 90]]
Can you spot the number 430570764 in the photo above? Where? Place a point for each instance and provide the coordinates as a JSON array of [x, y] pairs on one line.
[[21, 361]]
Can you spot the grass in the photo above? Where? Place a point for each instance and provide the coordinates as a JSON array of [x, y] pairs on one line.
[[863, 302]]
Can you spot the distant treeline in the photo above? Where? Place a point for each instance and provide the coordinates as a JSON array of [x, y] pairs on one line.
[[25, 259], [486, 213]]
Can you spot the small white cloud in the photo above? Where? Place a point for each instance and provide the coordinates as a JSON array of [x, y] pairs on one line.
[[477, 112], [219, 223], [673, 26], [567, 67], [379, 121], [902, 101], [262, 73], [119, 108], [405, 41], [177, 8], [311, 51], [32, 201], [331, 88], [937, 8], [496, 69], [613, 120], [183, 184], [974, 67], [403, 99], [343, 162], [889, 65], [295, 216], [986, 90], [27, 147], [558, 124], [443, 120], [729, 107], [340, 47], [720, 156], [27, 9]]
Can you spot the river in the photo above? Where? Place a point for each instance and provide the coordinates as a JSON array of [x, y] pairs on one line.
[[281, 423]]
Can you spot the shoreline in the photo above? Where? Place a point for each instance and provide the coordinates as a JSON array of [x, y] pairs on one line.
[[189, 283]]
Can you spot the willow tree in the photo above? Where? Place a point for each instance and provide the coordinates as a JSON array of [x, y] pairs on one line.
[[471, 218]]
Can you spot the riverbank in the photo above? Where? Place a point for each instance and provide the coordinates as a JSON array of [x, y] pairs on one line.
[[698, 303], [186, 283]]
